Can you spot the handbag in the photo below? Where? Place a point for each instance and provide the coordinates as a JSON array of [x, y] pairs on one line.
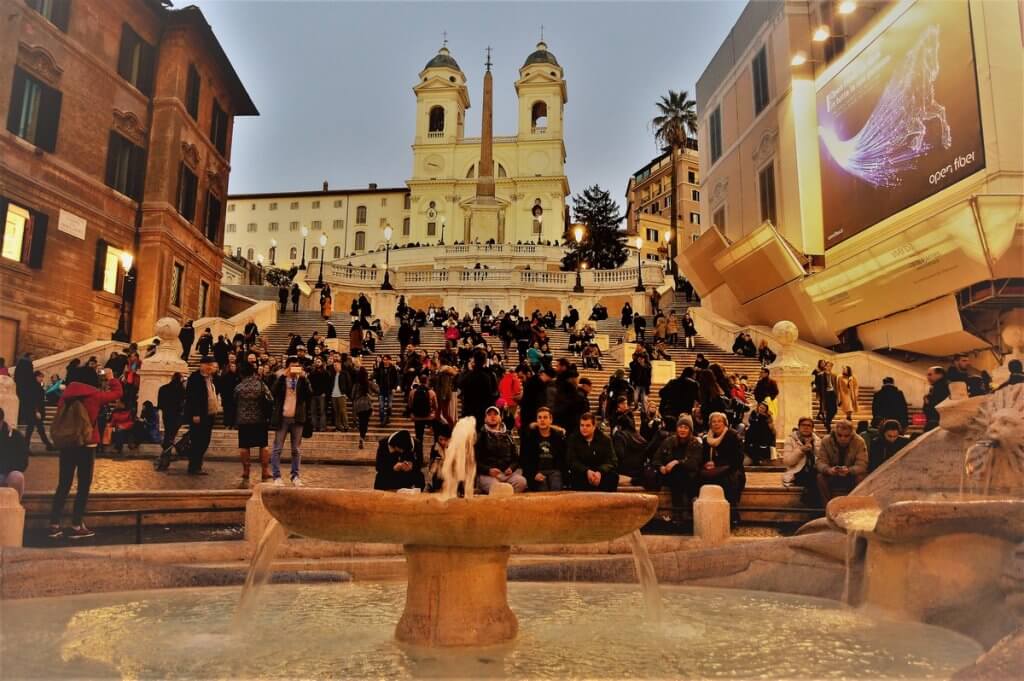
[[362, 404]]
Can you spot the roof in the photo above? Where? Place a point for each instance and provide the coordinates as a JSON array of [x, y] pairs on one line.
[[541, 56], [329, 192], [193, 16], [443, 59]]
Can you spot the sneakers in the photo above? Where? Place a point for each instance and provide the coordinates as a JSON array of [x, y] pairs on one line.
[[55, 531], [278, 482], [297, 481], [80, 532]]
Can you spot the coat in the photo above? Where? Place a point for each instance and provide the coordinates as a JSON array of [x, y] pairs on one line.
[[92, 399], [889, 403], [596, 455], [689, 454], [197, 401], [678, 396], [827, 455], [387, 477], [303, 393], [794, 457], [847, 388]]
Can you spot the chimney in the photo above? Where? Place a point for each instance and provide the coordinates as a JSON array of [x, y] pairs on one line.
[[373, 185], [325, 185]]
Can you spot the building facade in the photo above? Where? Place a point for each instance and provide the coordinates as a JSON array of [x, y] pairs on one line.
[[649, 200], [268, 228], [116, 151], [529, 167], [862, 166]]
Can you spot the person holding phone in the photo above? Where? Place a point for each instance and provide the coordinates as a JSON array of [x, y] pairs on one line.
[[841, 460], [292, 408]]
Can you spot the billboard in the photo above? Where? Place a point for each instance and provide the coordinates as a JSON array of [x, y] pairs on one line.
[[900, 121]]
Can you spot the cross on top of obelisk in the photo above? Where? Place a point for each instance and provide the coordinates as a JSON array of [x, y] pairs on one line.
[[488, 63]]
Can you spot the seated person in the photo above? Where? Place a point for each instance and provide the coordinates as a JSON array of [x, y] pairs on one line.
[[544, 454], [630, 448], [123, 423], [591, 459], [13, 457], [678, 459], [723, 461], [397, 465], [592, 357], [841, 461], [798, 455], [497, 459], [148, 427], [660, 351], [442, 436], [885, 446]]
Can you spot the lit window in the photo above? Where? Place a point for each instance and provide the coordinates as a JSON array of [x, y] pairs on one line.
[[694, 218], [177, 276], [15, 227]]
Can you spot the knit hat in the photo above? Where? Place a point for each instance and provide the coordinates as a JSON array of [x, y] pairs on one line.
[[685, 418]]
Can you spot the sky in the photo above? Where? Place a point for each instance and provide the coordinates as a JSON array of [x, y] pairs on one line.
[[333, 80]]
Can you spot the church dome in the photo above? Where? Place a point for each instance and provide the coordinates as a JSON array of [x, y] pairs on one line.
[[541, 56], [443, 59]]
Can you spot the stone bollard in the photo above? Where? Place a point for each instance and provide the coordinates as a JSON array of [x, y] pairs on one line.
[[711, 515], [9, 400], [158, 369], [791, 375], [256, 516], [12, 518]]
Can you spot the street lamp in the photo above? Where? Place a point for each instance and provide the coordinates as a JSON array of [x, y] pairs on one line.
[[323, 247], [578, 233], [639, 267], [121, 334], [441, 242], [305, 233], [273, 251], [386, 286], [668, 253]]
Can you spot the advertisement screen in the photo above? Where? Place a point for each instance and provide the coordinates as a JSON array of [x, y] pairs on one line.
[[900, 121]]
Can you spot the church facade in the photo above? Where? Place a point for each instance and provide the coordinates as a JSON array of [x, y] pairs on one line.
[[530, 186]]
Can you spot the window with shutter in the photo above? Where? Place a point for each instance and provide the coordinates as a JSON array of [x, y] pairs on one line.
[[186, 201], [192, 86], [212, 224], [34, 112], [126, 166], [136, 60], [40, 222], [219, 128], [99, 265], [57, 12]]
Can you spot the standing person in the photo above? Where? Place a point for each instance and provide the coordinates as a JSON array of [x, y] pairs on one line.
[[829, 390], [37, 410], [627, 316], [250, 333], [639, 324], [678, 459], [673, 328], [766, 387], [841, 460], [204, 346], [341, 390], [253, 400], [187, 336], [818, 381], [387, 379], [227, 381], [723, 461], [13, 457], [170, 400], [355, 340], [292, 395], [478, 387], [282, 296], [689, 330], [937, 393], [76, 434], [889, 403], [25, 386], [447, 398], [423, 408], [544, 454], [202, 404], [362, 405], [640, 373], [365, 309], [296, 292], [760, 435], [320, 382], [497, 459], [848, 392], [591, 459]]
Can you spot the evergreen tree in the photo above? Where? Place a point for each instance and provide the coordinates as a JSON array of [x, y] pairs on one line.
[[604, 245]]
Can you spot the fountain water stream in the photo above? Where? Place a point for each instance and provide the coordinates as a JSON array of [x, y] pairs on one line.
[[260, 569], [646, 576]]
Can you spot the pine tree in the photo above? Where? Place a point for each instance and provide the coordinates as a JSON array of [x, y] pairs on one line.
[[604, 244]]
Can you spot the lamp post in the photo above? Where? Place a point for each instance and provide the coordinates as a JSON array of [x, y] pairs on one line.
[[273, 251], [639, 267], [386, 285], [441, 242], [259, 265], [121, 334], [578, 233], [323, 247], [305, 233]]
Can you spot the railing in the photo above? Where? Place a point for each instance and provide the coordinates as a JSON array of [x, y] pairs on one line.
[[435, 135], [540, 277], [532, 254], [598, 280], [346, 273]]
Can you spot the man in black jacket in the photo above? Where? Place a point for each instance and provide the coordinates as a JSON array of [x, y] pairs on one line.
[[282, 296], [544, 454], [478, 387], [202, 404], [398, 466], [889, 403], [679, 395], [937, 394], [170, 399], [497, 459], [386, 377], [591, 459], [292, 397], [187, 336]]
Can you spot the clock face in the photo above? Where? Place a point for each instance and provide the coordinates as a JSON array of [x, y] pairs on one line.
[[433, 163]]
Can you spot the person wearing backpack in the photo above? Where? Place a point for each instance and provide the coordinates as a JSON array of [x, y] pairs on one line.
[[76, 435], [423, 407]]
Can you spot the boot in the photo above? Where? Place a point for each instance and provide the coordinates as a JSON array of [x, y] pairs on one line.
[[265, 465], [244, 482]]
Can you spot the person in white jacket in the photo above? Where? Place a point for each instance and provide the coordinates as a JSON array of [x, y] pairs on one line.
[[798, 453]]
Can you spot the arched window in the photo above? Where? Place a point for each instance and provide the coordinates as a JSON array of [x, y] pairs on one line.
[[501, 171], [337, 252], [360, 241], [472, 171], [361, 215], [436, 119], [538, 216], [250, 254], [539, 116], [316, 253], [293, 253], [272, 253]]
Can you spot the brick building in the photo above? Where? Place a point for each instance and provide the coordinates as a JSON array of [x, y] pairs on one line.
[[117, 143], [649, 199]]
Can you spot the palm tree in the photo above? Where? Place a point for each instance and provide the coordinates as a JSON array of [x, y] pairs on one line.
[[675, 123]]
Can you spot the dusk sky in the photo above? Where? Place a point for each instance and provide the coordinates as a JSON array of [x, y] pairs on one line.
[[333, 80]]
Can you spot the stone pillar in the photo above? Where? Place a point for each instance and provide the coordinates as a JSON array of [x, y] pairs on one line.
[[711, 515], [12, 518], [794, 379], [159, 368], [9, 400], [641, 303]]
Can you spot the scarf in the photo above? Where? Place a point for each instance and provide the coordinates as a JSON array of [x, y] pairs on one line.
[[715, 441]]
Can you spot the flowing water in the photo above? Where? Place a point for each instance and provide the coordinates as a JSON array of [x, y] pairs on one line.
[[646, 576], [260, 569], [567, 631]]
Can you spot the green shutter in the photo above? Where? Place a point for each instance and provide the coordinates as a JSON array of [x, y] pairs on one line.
[[49, 118], [40, 221], [137, 173], [99, 265], [17, 101]]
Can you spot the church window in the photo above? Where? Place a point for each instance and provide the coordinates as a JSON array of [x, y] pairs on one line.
[[360, 241], [436, 119], [406, 227], [337, 252], [316, 252], [472, 171], [431, 228], [250, 254], [361, 215], [539, 116], [408, 201], [538, 216], [293, 253], [501, 171]]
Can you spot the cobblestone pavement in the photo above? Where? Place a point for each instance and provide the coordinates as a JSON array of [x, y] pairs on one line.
[[138, 474]]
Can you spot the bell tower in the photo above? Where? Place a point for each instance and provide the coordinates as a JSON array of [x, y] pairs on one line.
[[542, 95], [441, 100]]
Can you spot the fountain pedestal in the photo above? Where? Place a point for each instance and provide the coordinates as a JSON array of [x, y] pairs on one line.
[[456, 596]]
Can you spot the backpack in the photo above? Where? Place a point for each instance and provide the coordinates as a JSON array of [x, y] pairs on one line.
[[72, 426], [421, 402]]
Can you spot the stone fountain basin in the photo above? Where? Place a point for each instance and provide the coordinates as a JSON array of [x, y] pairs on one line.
[[931, 516], [482, 521]]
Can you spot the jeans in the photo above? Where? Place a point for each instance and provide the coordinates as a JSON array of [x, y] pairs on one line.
[[609, 483], [84, 460], [319, 403], [199, 435], [340, 406], [35, 423], [288, 426], [516, 479], [385, 407], [552, 482]]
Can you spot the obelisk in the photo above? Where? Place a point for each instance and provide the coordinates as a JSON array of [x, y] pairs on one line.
[[485, 222]]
